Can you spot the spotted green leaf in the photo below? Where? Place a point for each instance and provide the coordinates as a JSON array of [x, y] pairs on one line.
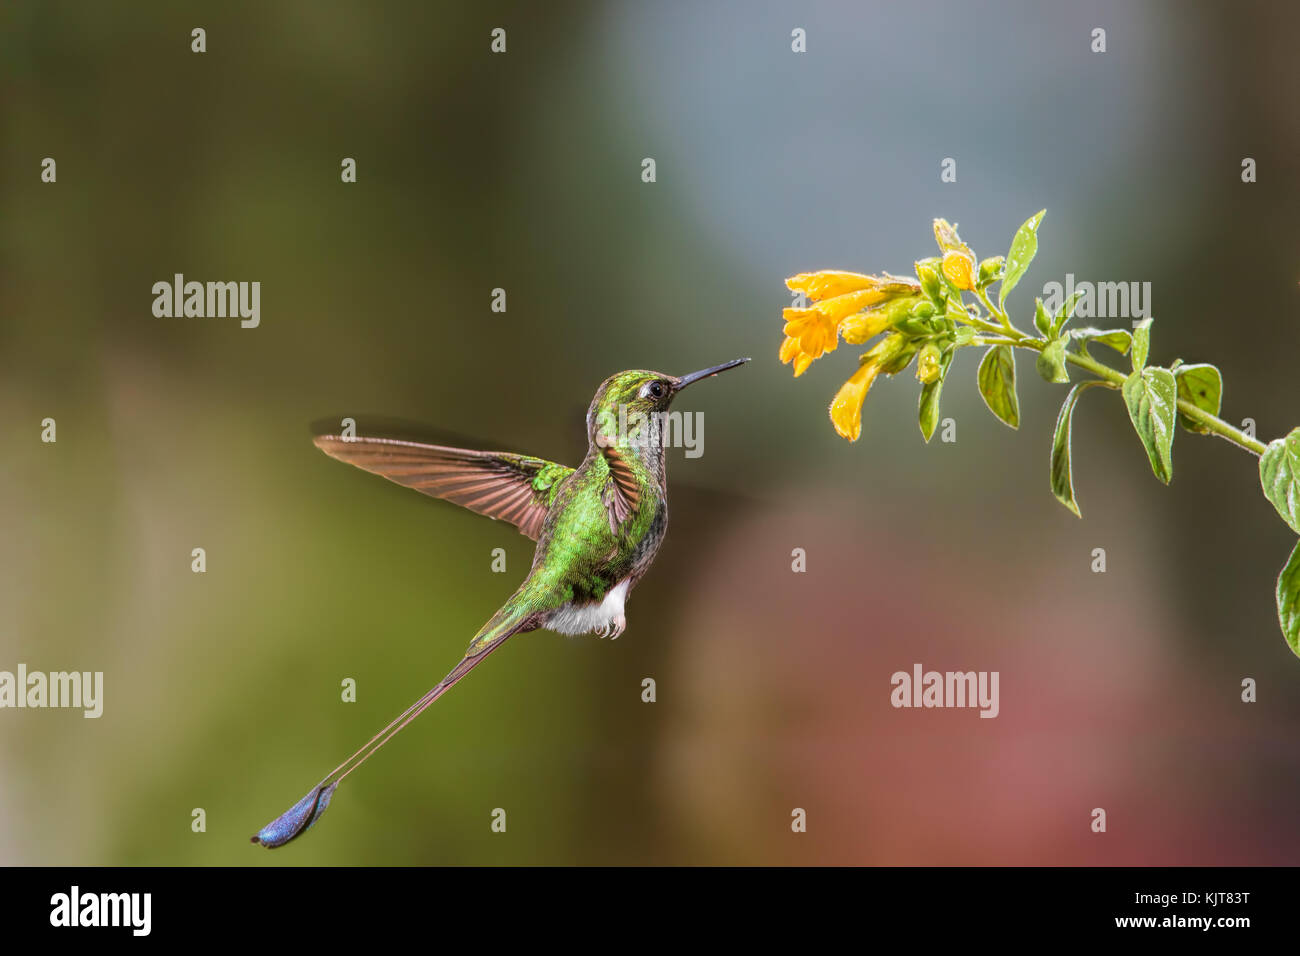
[[1051, 362], [1118, 339], [1062, 475], [1279, 474], [1288, 601], [1152, 397], [1202, 385], [997, 384]]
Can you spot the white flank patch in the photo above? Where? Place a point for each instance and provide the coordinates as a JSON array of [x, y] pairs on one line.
[[583, 619]]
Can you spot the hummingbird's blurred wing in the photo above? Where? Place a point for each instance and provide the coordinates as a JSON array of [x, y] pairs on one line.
[[502, 485]]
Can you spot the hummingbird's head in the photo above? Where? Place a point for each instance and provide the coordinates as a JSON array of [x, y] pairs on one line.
[[634, 396]]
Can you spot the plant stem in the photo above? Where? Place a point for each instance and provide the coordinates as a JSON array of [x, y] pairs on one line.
[[1002, 317], [1112, 378], [1214, 424]]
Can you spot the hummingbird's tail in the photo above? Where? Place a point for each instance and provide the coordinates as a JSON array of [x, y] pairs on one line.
[[300, 817]]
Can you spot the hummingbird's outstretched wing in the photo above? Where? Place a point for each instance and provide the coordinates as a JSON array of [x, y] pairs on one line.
[[302, 815], [502, 485]]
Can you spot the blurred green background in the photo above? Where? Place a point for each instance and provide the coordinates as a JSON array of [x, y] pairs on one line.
[[522, 171]]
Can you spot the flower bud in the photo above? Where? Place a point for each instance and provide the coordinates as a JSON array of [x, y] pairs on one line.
[[947, 237], [959, 269], [846, 407], [861, 328], [927, 270], [927, 364], [991, 270]]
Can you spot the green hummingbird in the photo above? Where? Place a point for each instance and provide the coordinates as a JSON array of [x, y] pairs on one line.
[[597, 528]]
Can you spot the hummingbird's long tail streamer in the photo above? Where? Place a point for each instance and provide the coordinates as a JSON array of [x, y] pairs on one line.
[[300, 818]]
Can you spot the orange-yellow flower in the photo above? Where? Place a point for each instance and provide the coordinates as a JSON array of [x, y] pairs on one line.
[[816, 332], [846, 407], [860, 328], [789, 349], [790, 352], [959, 267], [958, 259], [828, 282], [841, 302]]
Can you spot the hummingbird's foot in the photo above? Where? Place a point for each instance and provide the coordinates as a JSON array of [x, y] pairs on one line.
[[611, 628]]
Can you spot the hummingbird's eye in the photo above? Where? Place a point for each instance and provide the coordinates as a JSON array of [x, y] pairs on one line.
[[656, 389]]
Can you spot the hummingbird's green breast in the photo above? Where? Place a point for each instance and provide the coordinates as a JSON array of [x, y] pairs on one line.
[[581, 553]]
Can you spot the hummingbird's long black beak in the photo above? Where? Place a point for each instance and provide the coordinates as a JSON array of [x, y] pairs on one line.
[[706, 372]]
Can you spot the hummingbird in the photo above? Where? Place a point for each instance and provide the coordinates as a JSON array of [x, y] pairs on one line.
[[597, 528]]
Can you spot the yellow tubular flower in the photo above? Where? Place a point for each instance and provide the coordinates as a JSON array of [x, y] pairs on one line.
[[861, 328], [851, 302], [789, 349], [840, 306], [827, 283], [846, 407], [815, 331]]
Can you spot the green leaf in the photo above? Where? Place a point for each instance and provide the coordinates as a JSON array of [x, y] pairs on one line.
[[1062, 478], [1141, 344], [928, 406], [1151, 397], [901, 359], [1023, 248], [1065, 313], [1279, 474], [1051, 362], [1118, 339], [915, 326], [963, 334], [1202, 385], [997, 383], [1042, 321], [1288, 601]]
